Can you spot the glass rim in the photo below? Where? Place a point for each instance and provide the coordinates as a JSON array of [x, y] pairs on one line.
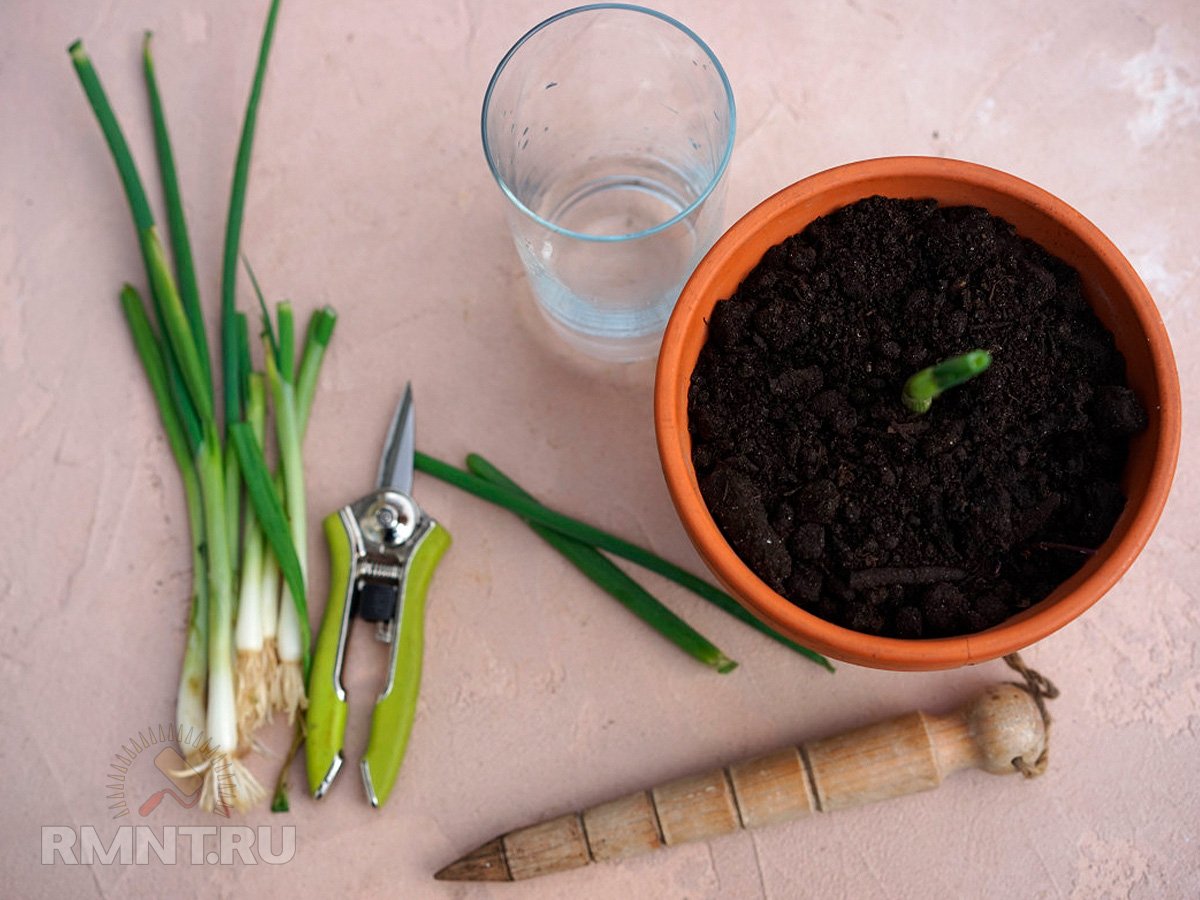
[[633, 235]]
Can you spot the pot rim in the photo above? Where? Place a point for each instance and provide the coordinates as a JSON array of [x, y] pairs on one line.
[[1071, 598]]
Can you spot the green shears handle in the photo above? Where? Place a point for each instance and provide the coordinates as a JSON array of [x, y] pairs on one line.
[[326, 716], [392, 721]]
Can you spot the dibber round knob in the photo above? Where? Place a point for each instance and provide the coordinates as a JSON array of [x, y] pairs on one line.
[[1005, 725]]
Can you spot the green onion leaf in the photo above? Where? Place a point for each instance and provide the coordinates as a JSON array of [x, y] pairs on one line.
[[175, 324], [245, 364], [268, 329], [181, 246], [233, 223], [233, 506], [135, 193], [150, 352], [271, 517], [233, 475], [598, 567], [287, 341]]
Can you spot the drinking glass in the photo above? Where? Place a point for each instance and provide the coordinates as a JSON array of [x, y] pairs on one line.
[[609, 129]]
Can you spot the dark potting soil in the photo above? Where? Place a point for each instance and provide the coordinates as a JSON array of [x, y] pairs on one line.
[[873, 517]]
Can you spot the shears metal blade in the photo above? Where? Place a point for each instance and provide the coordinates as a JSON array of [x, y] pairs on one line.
[[396, 464]]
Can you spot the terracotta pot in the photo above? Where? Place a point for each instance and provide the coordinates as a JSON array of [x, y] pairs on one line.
[[1117, 295]]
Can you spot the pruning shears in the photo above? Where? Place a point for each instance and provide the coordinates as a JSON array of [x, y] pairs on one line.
[[383, 550]]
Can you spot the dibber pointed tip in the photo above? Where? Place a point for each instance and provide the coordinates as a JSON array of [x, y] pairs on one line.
[[485, 863]]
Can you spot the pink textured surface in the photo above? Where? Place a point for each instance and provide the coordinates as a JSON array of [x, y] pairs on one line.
[[369, 191]]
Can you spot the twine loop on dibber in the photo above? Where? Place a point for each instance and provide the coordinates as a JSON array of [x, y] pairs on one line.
[[1041, 689]]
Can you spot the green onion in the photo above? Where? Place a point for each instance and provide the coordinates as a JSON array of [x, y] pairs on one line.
[[601, 540], [233, 377], [255, 667], [294, 630], [927, 385], [596, 566], [233, 474], [193, 680], [320, 329], [222, 706], [233, 223], [261, 491]]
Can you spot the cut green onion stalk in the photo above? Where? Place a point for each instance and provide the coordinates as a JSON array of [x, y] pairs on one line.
[[293, 609], [533, 511], [255, 671], [596, 566], [927, 385], [320, 330]]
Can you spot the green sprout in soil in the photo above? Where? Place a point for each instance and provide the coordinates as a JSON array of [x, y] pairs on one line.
[[927, 385]]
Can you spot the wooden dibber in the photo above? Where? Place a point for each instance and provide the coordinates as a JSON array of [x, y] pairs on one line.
[[1001, 731]]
